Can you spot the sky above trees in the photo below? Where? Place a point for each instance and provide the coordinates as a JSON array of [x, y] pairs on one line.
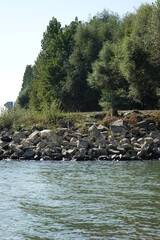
[[22, 24]]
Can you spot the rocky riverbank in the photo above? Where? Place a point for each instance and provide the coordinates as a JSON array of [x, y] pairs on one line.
[[118, 141]]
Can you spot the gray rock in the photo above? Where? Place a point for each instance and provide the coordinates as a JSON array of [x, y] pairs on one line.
[[27, 144], [67, 136], [45, 133], [132, 152], [146, 147], [65, 144], [127, 146], [93, 153], [124, 140], [146, 124], [15, 155], [137, 149], [103, 157], [47, 158], [20, 135], [6, 154], [93, 132], [121, 150], [82, 144], [137, 145], [30, 153], [13, 146], [118, 129], [133, 140], [61, 131], [151, 127], [104, 134], [155, 134], [48, 152], [149, 140], [112, 151], [50, 136], [1, 151], [4, 145], [157, 150], [114, 157], [101, 151], [34, 137], [81, 153], [72, 152], [140, 140], [102, 128], [156, 141], [16, 139], [141, 153], [126, 156], [73, 141], [37, 157], [119, 123], [54, 145], [41, 144]]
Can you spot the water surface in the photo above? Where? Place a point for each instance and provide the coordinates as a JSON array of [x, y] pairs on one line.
[[79, 200]]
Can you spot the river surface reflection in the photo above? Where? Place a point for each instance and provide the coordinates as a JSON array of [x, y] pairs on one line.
[[79, 200]]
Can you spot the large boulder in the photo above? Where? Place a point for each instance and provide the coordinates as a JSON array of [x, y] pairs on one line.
[[27, 144], [34, 137], [29, 153], [17, 136], [81, 153], [93, 132], [148, 140], [82, 144], [147, 124], [119, 126], [155, 134], [49, 136]]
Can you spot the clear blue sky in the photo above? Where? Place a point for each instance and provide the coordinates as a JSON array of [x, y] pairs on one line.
[[22, 23]]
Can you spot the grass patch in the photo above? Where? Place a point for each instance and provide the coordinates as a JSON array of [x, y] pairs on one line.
[[52, 117], [25, 119]]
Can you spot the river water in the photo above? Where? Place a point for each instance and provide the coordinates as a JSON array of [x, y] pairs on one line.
[[79, 200]]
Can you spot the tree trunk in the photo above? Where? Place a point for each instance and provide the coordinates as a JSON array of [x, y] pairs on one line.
[[114, 112]]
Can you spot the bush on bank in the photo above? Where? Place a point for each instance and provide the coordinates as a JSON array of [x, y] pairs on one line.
[[25, 119]]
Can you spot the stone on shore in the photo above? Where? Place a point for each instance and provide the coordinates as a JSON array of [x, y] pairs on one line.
[[98, 143]]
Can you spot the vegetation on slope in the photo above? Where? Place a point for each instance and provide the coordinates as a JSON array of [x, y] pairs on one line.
[[107, 62]]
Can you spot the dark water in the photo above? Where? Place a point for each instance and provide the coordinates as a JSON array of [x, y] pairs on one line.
[[75, 200]]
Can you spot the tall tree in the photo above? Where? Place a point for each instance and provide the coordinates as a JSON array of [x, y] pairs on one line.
[[89, 40], [136, 64], [50, 66], [107, 78], [23, 97]]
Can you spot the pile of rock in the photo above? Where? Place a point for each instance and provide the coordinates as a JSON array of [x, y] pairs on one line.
[[117, 142]]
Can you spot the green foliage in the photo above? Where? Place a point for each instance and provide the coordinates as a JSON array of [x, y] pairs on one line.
[[136, 64], [107, 78], [12, 119], [23, 97], [116, 99], [105, 62], [153, 38], [51, 64], [25, 119], [89, 40]]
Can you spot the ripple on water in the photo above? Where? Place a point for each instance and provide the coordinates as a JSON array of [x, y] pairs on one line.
[[71, 200]]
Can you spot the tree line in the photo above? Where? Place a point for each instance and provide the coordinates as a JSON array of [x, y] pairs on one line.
[[106, 62]]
